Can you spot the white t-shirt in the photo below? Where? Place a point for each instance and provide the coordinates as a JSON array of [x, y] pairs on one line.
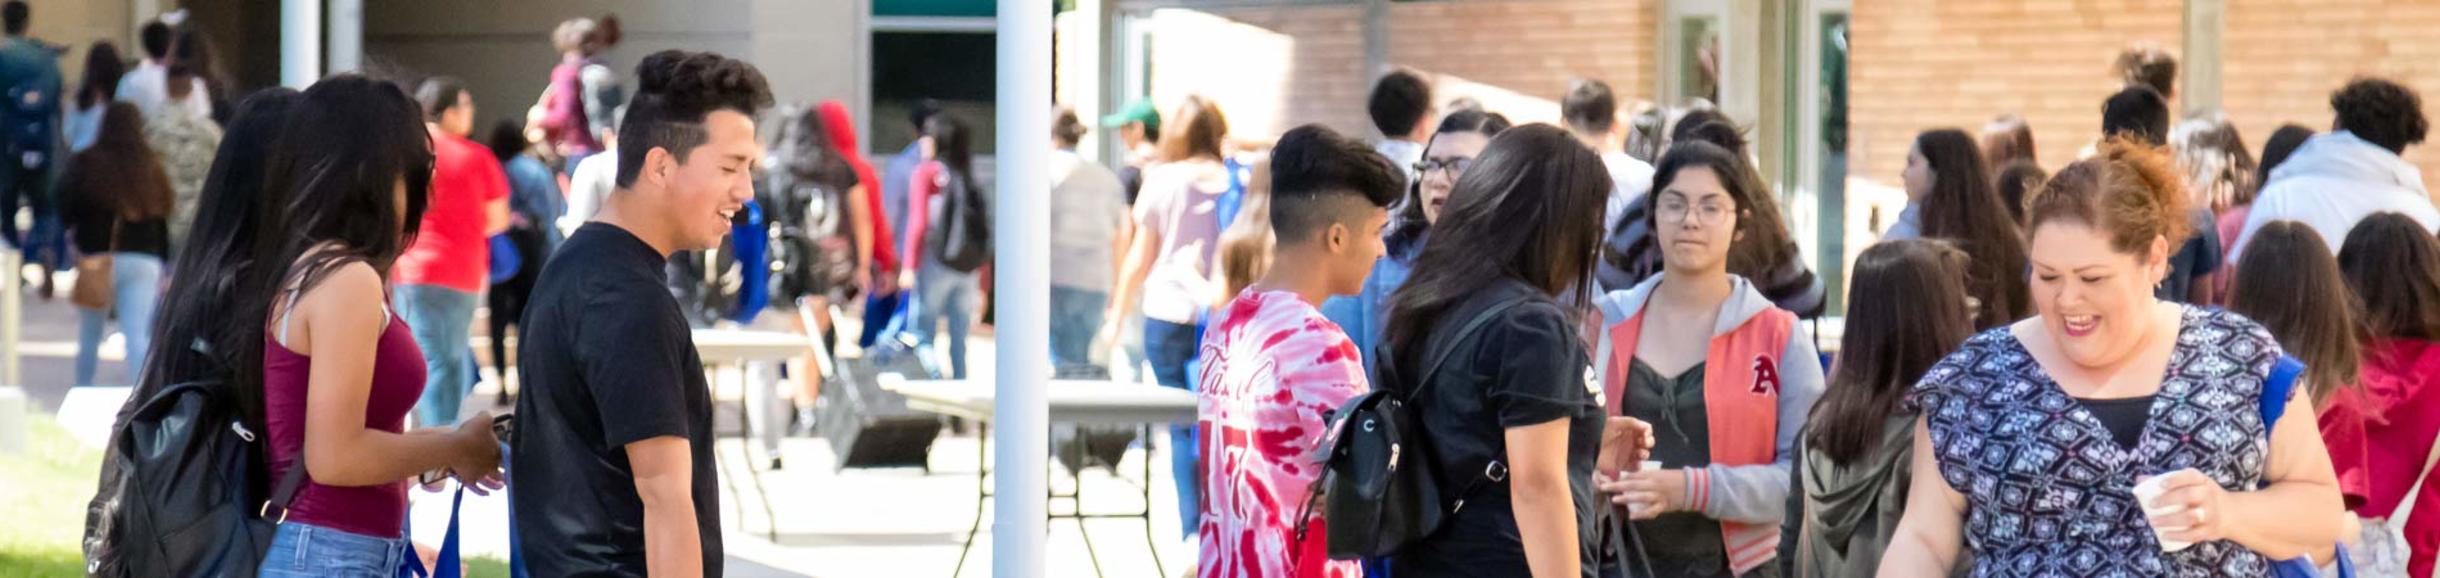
[[1630, 178], [2333, 182], [147, 87], [588, 188], [1087, 206]]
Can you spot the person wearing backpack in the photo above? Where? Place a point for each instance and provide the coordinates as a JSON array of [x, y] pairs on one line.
[[948, 237], [339, 371], [29, 77], [1277, 368], [2393, 265], [1720, 372], [1493, 370]]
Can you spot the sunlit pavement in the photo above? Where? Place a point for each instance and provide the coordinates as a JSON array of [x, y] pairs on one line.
[[892, 522]]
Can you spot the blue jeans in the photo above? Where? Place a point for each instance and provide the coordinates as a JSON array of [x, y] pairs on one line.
[[1170, 347], [300, 550], [439, 317], [945, 295], [879, 312], [1075, 317], [135, 292]]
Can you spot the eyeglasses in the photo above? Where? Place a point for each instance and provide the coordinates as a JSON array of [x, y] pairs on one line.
[[1454, 165], [1710, 213]]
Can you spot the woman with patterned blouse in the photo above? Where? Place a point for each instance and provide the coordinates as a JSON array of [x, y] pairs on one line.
[[2035, 434]]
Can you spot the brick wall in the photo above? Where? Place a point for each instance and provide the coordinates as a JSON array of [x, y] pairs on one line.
[[1275, 67], [1921, 64], [1268, 68], [2284, 57], [1517, 56]]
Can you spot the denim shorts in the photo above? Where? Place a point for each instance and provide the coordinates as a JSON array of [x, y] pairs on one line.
[[302, 550]]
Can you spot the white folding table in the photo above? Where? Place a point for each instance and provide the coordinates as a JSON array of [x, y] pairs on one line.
[[1105, 403], [757, 355]]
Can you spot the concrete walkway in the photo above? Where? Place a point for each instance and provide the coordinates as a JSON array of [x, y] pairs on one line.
[[903, 522]]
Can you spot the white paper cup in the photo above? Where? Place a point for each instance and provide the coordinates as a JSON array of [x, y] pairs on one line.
[[2146, 491], [1648, 466]]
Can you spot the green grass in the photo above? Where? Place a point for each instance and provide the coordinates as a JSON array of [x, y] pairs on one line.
[[42, 496]]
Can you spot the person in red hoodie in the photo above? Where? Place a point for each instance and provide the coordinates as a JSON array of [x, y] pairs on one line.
[[879, 279], [2393, 264]]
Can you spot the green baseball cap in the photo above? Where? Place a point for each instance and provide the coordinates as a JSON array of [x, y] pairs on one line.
[[1140, 111]]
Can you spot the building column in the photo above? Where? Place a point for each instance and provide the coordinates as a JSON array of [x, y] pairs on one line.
[[346, 35], [2206, 23], [300, 42], [1376, 41]]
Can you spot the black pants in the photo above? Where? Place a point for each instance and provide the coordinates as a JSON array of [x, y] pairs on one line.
[[507, 299], [22, 187]]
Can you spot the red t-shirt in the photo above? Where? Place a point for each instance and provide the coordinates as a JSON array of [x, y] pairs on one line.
[[451, 249], [1273, 367]]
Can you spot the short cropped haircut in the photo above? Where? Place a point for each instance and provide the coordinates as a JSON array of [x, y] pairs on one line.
[[1398, 102], [14, 16], [1315, 172], [1589, 107], [437, 95], [2381, 112], [675, 90], [2139, 113], [155, 38]]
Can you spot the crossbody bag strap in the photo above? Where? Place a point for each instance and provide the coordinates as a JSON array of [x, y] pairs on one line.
[[2407, 507]]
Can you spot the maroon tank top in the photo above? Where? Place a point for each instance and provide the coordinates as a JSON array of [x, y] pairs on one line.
[[398, 380]]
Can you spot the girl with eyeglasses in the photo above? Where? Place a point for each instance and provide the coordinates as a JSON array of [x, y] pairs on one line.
[[1695, 346], [1450, 151]]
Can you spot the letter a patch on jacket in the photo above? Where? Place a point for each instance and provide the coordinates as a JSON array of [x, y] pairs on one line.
[[1766, 376]]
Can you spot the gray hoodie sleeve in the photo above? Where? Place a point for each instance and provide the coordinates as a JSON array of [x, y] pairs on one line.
[[1758, 494]]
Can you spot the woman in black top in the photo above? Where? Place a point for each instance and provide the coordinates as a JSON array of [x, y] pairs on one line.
[[116, 202], [1516, 422]]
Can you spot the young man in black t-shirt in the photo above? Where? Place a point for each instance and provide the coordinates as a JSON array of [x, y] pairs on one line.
[[614, 429]]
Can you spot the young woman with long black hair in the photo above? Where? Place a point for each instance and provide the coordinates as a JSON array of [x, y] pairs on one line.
[[346, 188], [1518, 231]]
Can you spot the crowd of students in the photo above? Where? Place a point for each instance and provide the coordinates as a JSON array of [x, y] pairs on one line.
[[2069, 374]]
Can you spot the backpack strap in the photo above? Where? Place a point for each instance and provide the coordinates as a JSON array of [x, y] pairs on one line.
[[2276, 388], [2406, 507], [1497, 470], [285, 492]]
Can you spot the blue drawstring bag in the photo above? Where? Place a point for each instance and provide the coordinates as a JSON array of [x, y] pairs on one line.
[[504, 258], [2274, 402]]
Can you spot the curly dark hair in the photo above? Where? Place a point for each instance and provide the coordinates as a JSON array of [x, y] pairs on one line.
[[2382, 112], [675, 90]]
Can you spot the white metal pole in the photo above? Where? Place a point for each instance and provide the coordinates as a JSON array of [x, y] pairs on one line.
[[346, 35], [12, 314], [1023, 228], [300, 42]]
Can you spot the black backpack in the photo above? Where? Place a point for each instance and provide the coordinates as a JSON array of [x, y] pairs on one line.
[[181, 491], [960, 233], [1379, 474]]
